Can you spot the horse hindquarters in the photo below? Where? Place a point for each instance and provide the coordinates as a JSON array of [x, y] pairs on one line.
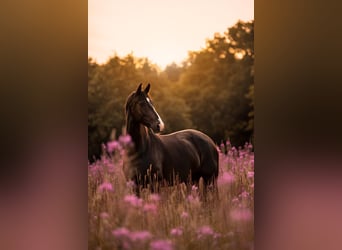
[[208, 154], [192, 151]]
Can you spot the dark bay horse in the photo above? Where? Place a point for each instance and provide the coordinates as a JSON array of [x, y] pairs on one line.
[[184, 156]]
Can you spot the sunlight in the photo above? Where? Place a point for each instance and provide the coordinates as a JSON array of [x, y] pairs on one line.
[[163, 31], [163, 58], [239, 55]]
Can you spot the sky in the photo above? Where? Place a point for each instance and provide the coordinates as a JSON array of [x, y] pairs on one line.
[[161, 30]]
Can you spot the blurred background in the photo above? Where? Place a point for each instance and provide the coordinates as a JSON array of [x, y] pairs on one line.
[[201, 67]]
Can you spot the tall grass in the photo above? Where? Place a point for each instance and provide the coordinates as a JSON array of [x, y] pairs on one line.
[[174, 218]]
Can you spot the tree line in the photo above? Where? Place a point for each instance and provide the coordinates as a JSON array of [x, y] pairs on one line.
[[212, 90]]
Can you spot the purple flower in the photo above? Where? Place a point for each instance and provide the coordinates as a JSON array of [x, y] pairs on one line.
[[244, 195], [176, 231], [121, 232], [154, 197], [95, 168], [161, 245], [184, 215], [194, 188], [112, 146], [130, 184], [226, 178], [243, 214], [251, 162], [150, 208], [105, 186], [133, 200], [140, 236], [104, 215], [194, 200], [250, 174], [205, 231], [128, 236], [217, 235], [235, 200], [125, 139]]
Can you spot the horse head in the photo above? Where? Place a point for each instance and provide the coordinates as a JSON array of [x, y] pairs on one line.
[[141, 110]]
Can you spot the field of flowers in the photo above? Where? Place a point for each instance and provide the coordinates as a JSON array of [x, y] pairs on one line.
[[176, 217]]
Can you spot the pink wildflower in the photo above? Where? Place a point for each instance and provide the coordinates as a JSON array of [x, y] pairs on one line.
[[241, 214], [112, 146], [130, 184], [133, 200], [111, 167], [154, 197], [125, 139], [244, 194], [105, 186], [235, 200], [194, 200], [150, 208], [226, 178], [95, 168], [184, 215], [225, 160], [161, 245], [250, 174], [217, 235], [104, 215], [251, 162], [206, 231], [121, 232], [176, 231], [140, 236], [194, 188]]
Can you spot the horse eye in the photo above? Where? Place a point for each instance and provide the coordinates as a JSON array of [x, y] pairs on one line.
[[143, 104]]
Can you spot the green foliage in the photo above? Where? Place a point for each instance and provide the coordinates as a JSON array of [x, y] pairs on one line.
[[217, 81], [212, 91]]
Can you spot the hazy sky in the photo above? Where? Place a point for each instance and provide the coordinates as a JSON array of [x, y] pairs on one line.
[[162, 30]]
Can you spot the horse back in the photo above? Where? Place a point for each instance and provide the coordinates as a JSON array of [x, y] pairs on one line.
[[190, 150]]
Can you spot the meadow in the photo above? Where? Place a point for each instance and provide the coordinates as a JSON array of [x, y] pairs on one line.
[[177, 217]]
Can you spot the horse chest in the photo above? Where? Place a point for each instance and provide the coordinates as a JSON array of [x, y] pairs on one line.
[[154, 162]]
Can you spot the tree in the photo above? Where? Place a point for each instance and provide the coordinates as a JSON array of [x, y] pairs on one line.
[[216, 82]]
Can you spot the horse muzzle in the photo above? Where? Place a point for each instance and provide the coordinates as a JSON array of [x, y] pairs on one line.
[[158, 127], [161, 125]]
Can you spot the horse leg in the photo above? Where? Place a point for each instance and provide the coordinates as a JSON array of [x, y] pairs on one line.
[[137, 186], [210, 187], [202, 187]]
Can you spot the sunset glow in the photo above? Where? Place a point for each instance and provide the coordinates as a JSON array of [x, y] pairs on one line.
[[163, 31]]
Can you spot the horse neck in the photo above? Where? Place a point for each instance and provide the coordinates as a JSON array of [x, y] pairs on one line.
[[139, 134]]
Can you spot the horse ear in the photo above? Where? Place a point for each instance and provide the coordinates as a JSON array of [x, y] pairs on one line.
[[147, 89], [139, 89]]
